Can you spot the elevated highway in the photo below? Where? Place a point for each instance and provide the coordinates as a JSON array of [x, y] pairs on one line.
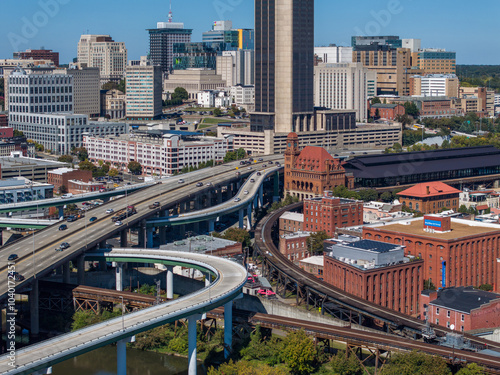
[[12, 222], [227, 285]]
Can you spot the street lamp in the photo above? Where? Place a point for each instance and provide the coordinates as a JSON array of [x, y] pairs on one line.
[[123, 316]]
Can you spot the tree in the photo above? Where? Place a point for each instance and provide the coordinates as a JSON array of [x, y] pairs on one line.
[[377, 113], [471, 369], [17, 133], [180, 93], [463, 209], [87, 166], [238, 235], [122, 86], [315, 242], [415, 363], [241, 154], [411, 109], [63, 189], [386, 197], [134, 167], [376, 100], [428, 285], [81, 153], [486, 287], [65, 159], [368, 195], [341, 366], [217, 112], [299, 353], [110, 86], [113, 172]]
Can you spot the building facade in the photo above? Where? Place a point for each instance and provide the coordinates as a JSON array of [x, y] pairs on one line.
[[86, 90], [144, 92], [344, 86], [101, 51], [437, 61], [334, 54], [446, 85], [311, 171], [38, 54], [113, 104], [158, 156], [376, 272], [456, 252], [62, 177], [431, 198], [386, 111], [294, 246], [243, 95], [327, 213], [20, 189], [291, 222]]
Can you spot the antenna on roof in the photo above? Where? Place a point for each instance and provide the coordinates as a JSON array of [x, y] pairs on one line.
[[170, 15]]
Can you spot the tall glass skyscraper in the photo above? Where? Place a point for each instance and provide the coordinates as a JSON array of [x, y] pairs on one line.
[[284, 65]]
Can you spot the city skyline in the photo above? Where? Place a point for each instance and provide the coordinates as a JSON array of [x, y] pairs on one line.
[[41, 24]]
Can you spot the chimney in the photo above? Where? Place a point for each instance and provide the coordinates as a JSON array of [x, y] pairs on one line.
[[428, 190]]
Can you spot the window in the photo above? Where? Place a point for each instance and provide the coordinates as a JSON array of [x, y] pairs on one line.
[[437, 320], [437, 311], [462, 318], [448, 314]]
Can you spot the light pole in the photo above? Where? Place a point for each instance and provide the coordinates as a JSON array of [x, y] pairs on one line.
[[123, 316]]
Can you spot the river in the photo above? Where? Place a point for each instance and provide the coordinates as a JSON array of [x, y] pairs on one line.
[[103, 362]]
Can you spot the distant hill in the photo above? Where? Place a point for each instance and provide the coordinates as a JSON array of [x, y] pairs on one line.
[[480, 75]]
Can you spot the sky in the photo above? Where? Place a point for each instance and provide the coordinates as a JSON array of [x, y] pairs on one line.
[[457, 25]]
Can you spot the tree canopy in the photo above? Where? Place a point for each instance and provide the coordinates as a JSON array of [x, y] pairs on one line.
[[415, 363], [315, 242], [65, 159], [180, 93], [134, 167]]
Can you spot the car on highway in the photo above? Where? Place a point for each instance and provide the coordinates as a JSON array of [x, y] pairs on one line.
[[181, 181], [118, 223], [245, 192], [270, 162], [71, 218], [208, 184], [249, 168], [199, 184], [260, 159], [154, 205], [110, 211], [63, 227], [17, 276], [237, 199], [278, 164], [92, 219], [65, 245], [259, 174], [12, 257], [264, 166], [252, 180]]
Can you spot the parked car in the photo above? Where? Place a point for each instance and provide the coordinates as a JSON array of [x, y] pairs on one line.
[[63, 227], [92, 219], [12, 257], [260, 159]]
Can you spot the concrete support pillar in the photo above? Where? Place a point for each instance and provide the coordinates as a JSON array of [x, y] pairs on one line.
[[209, 198], [34, 309], [61, 211], [219, 196], [149, 236], [211, 226], [102, 265], [102, 244], [119, 276], [66, 273], [196, 227], [163, 235], [123, 239], [121, 357], [249, 217], [198, 203], [242, 216], [192, 370], [228, 328], [80, 266], [256, 202], [261, 195], [170, 282], [142, 234], [45, 371]]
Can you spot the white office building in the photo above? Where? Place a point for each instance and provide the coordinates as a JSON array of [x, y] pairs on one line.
[[243, 95], [415, 45], [211, 98], [86, 90], [237, 67], [144, 92], [334, 54], [158, 156], [101, 51], [344, 87], [435, 85]]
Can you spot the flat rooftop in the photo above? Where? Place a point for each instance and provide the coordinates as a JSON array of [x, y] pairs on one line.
[[294, 216], [459, 228], [9, 162]]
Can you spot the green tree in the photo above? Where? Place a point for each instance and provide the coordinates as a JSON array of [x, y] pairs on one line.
[[377, 114], [241, 154], [238, 235], [428, 285], [299, 353], [340, 365], [471, 369], [315, 242], [368, 195], [217, 112], [134, 167], [245, 368], [122, 86], [180, 93], [386, 197], [81, 153], [63, 189], [415, 363], [113, 172], [463, 209], [376, 100], [87, 166], [411, 109], [65, 159], [486, 287], [17, 133]]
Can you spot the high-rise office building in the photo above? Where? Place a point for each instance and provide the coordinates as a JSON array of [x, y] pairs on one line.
[[236, 67], [86, 90], [162, 40], [437, 61], [284, 62], [223, 32], [101, 51], [38, 54], [144, 90], [333, 54]]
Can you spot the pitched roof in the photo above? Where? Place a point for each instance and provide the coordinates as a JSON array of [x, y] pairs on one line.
[[429, 189], [464, 299], [313, 159]]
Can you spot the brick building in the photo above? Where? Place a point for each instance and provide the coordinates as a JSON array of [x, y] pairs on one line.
[[80, 187], [456, 252], [62, 176], [294, 246], [387, 111], [328, 212], [377, 272], [312, 171], [4, 120], [6, 132], [430, 197], [465, 308], [291, 222], [38, 54], [314, 265]]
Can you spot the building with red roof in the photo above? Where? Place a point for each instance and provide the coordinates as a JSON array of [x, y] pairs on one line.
[[430, 197], [311, 171]]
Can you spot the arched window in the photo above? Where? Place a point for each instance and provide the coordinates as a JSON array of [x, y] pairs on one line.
[[411, 205], [417, 207]]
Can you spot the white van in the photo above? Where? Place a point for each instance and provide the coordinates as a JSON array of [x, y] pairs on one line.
[[69, 195]]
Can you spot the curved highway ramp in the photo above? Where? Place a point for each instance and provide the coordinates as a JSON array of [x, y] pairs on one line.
[[229, 280]]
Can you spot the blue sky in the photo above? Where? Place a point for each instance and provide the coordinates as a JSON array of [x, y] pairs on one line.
[[457, 25]]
